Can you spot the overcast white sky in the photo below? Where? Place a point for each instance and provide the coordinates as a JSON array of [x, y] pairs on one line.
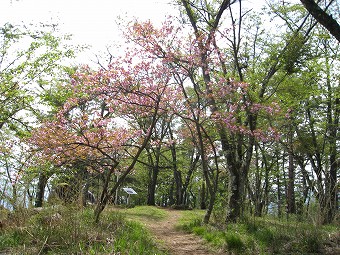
[[91, 22]]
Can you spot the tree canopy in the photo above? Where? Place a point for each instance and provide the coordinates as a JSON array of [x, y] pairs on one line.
[[214, 109]]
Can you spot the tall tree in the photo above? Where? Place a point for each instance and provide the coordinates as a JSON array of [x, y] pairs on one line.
[[30, 62], [92, 126], [323, 17]]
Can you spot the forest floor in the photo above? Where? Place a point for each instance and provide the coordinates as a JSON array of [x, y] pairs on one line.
[[173, 240], [163, 224], [153, 230]]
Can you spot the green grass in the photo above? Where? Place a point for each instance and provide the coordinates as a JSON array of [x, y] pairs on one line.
[[190, 219], [72, 231], [260, 235], [69, 230], [146, 213]]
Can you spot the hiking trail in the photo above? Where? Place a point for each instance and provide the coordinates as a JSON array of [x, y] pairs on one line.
[[174, 241]]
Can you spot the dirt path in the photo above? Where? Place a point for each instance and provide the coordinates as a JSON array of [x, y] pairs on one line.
[[174, 241]]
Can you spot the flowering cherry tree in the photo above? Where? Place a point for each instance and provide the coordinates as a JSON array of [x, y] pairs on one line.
[[211, 96], [93, 126], [165, 71]]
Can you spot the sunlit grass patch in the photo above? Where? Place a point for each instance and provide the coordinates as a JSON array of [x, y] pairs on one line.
[[134, 239], [146, 212], [190, 219], [259, 235]]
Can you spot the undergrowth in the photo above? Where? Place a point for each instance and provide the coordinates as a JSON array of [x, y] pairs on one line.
[[68, 230], [261, 235]]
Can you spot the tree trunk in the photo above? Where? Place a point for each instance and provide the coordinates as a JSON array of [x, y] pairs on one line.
[[171, 193], [290, 186], [177, 173], [193, 166], [39, 198], [333, 106], [236, 190], [266, 187], [30, 197], [104, 197], [258, 189], [323, 17], [152, 185], [333, 189], [82, 177], [210, 208], [153, 176], [306, 186], [279, 199], [238, 160], [14, 199], [178, 187], [278, 184], [203, 204]]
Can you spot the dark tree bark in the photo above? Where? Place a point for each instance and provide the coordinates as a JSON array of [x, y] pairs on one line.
[[333, 115], [291, 175], [151, 187], [307, 185], [326, 20], [203, 204], [290, 186], [153, 156], [193, 166], [171, 193], [235, 201], [257, 194], [177, 173], [153, 176], [39, 198], [334, 167], [259, 190], [278, 184], [279, 199]]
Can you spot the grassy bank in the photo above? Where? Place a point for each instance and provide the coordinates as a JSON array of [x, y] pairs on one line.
[[265, 236], [67, 230]]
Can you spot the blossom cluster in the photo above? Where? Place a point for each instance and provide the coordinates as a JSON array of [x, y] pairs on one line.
[[163, 72]]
